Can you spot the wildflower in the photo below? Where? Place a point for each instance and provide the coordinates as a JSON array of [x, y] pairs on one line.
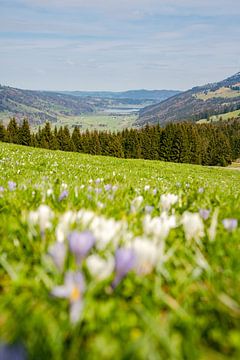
[[49, 192], [146, 253], [72, 289], [12, 185], [201, 190], [58, 253], [42, 216], [146, 187], [63, 195], [65, 222], [136, 203], [80, 243], [107, 187], [149, 209], [106, 231], [1, 189], [230, 224], [167, 200], [204, 213], [193, 226], [159, 227], [12, 352], [124, 262], [100, 268]]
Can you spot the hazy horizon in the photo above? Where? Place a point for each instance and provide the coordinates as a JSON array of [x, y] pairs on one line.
[[117, 46]]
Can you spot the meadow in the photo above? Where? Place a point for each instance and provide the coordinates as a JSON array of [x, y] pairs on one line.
[[105, 258]]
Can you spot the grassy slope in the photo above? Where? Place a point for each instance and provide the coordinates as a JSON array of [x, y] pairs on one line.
[[185, 312]]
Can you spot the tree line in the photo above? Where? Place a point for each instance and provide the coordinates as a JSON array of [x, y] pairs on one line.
[[185, 142]]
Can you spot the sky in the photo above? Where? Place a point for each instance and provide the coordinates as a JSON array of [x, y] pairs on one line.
[[118, 44]]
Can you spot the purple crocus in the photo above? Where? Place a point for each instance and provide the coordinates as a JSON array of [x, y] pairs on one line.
[[80, 243], [72, 289], [12, 352], [149, 209], [12, 185], [57, 251], [107, 187], [204, 213], [1, 189], [230, 224], [124, 262], [63, 195]]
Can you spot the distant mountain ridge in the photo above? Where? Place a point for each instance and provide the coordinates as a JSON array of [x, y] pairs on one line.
[[196, 103], [142, 94]]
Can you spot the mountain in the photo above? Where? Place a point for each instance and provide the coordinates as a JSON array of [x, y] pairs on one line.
[[151, 95], [41, 106], [195, 104]]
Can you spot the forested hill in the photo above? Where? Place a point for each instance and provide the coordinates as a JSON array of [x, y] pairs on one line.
[[195, 104], [40, 106]]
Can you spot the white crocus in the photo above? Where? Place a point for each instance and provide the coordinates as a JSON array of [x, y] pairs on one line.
[[106, 231], [64, 225], [85, 217], [167, 201], [100, 268], [159, 227], [136, 203], [42, 217], [147, 255], [193, 226]]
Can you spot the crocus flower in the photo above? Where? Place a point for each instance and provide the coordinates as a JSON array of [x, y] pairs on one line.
[[201, 190], [136, 203], [159, 227], [72, 289], [204, 213], [167, 201], [42, 216], [12, 185], [100, 268], [58, 253], [124, 262], [80, 243], [193, 226], [1, 189], [107, 187], [230, 224], [149, 209], [12, 352], [63, 195], [146, 255]]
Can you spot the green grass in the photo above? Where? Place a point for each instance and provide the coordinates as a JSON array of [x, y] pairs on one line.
[[226, 116], [223, 92], [98, 121], [186, 307]]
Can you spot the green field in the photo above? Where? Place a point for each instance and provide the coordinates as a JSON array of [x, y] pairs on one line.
[[226, 116], [223, 92], [172, 294], [98, 121]]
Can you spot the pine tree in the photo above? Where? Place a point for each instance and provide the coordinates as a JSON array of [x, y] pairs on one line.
[[24, 134]]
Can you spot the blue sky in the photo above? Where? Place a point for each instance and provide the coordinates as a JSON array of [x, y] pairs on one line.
[[118, 45]]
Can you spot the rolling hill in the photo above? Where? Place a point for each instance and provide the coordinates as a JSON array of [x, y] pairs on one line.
[[195, 104]]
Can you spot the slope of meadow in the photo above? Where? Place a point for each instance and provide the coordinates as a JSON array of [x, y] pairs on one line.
[[109, 258]]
